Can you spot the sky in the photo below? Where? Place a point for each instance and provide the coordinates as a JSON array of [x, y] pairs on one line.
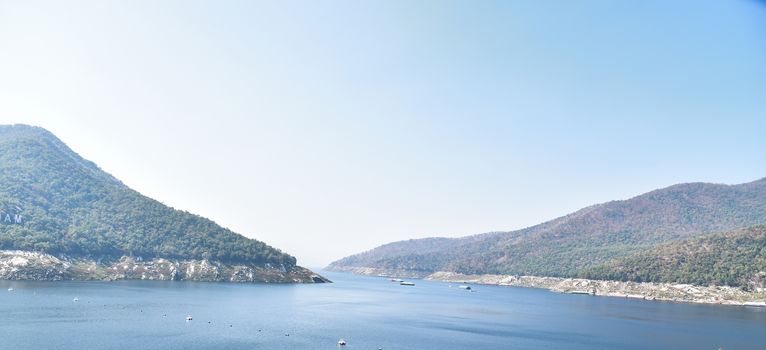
[[326, 128]]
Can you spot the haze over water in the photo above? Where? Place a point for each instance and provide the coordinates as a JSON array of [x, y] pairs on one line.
[[368, 312]]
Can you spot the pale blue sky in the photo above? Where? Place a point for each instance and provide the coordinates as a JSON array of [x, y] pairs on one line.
[[328, 127]]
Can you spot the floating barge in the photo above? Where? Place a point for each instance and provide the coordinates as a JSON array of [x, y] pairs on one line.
[[583, 292]]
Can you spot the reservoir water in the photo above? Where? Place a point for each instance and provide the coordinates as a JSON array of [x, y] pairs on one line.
[[368, 312]]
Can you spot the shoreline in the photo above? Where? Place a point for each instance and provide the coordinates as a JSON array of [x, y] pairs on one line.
[[35, 266], [650, 291]]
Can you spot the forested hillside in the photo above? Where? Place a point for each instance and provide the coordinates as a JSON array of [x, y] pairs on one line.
[[584, 239], [736, 258], [54, 201]]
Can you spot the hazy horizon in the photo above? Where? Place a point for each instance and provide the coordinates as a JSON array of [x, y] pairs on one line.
[[328, 130]]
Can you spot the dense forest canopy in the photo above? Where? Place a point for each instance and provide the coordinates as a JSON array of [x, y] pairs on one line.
[[60, 203]]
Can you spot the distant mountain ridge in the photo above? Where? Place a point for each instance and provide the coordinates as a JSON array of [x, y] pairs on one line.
[[53, 201], [590, 237]]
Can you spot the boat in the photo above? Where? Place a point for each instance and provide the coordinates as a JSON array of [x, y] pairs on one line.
[[465, 287], [584, 292], [341, 342], [10, 289], [189, 317], [396, 280], [403, 283], [76, 299], [754, 303]]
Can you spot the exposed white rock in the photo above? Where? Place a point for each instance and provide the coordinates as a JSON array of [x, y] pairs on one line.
[[647, 291], [24, 265]]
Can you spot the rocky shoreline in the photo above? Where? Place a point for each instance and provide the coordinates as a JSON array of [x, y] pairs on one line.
[[35, 266], [722, 295]]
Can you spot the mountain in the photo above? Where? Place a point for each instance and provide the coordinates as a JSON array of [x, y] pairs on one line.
[[736, 258], [567, 246], [54, 202]]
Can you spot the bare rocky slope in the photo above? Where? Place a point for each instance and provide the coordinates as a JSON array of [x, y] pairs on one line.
[[678, 292], [36, 266]]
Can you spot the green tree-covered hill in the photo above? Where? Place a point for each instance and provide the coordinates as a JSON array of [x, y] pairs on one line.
[[54, 201], [587, 238], [736, 258]]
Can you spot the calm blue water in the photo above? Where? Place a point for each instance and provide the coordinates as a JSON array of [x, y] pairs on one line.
[[369, 312]]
